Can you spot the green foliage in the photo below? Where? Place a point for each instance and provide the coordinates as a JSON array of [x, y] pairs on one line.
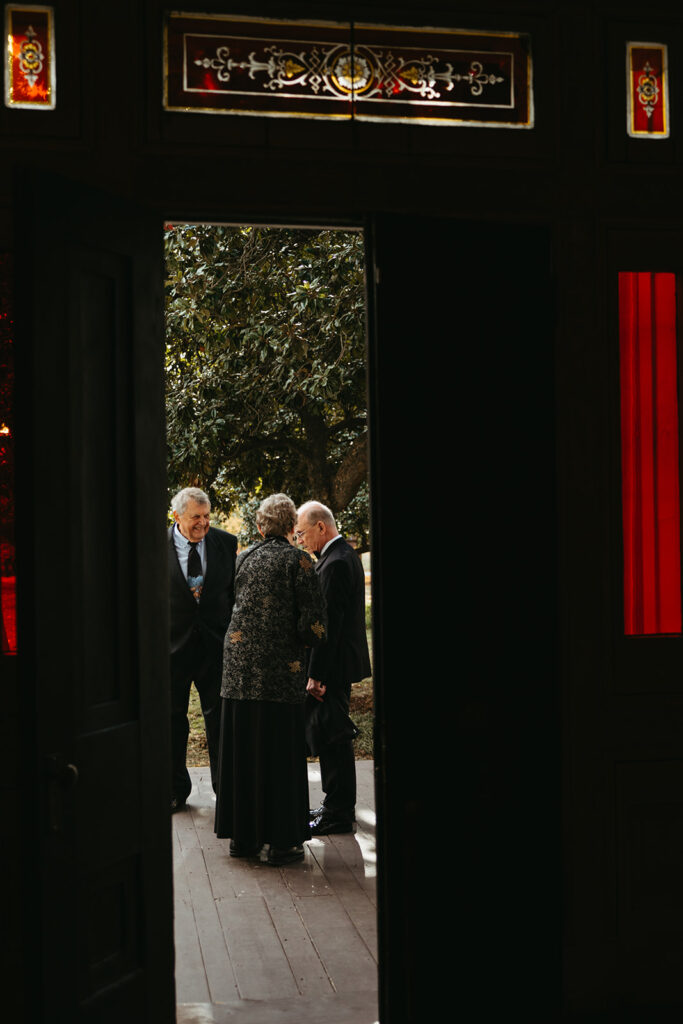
[[265, 366], [353, 520]]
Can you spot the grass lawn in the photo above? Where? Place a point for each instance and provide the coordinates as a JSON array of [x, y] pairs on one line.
[[197, 752]]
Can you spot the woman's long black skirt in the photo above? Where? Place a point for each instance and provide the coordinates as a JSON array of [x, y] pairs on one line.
[[262, 791]]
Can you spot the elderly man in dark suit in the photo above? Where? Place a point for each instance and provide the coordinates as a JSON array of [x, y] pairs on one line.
[[334, 666], [201, 563]]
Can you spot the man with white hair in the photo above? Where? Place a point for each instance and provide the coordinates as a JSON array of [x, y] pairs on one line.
[[201, 560], [344, 659]]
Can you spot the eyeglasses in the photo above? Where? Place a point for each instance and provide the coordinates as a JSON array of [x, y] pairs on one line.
[[298, 534]]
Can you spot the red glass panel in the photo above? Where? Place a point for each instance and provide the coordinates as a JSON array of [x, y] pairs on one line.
[[8, 600], [649, 453]]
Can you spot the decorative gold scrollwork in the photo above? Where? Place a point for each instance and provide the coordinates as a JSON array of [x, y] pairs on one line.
[[31, 56], [648, 89], [344, 74]]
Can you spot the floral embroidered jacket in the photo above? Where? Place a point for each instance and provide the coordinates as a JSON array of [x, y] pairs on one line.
[[279, 611]]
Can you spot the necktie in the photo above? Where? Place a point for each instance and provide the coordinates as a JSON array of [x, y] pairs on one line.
[[195, 575]]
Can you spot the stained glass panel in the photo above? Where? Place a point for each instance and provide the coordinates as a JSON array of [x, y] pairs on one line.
[[8, 598], [434, 76], [30, 65], [220, 64], [651, 514], [647, 84]]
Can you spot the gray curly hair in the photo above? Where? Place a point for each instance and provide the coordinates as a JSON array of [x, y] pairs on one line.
[[180, 500], [276, 515]]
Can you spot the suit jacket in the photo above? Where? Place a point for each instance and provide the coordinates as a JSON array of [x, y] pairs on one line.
[[211, 614], [345, 657]]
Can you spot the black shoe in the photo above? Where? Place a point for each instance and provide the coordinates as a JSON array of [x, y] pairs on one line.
[[178, 804], [329, 827], [279, 857], [236, 850]]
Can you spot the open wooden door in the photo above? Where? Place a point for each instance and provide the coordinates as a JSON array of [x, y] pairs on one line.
[[461, 377], [92, 604]]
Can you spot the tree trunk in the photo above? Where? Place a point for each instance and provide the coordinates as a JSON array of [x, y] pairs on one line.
[[318, 469], [352, 473]]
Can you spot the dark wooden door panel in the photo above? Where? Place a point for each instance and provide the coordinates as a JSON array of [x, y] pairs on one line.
[[92, 332], [465, 598], [103, 528]]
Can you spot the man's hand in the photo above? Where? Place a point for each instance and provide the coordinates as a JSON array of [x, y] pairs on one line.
[[316, 688]]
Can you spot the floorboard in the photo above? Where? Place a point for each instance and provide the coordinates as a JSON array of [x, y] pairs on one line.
[[263, 945]]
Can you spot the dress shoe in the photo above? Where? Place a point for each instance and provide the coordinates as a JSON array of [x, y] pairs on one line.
[[237, 850], [177, 804], [277, 858], [329, 827]]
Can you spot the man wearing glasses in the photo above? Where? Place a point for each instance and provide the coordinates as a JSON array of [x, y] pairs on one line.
[[344, 659]]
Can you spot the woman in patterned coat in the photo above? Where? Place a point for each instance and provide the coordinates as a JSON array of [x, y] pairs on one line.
[[279, 611]]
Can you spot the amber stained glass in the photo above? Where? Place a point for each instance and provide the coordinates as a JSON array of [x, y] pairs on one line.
[[30, 61]]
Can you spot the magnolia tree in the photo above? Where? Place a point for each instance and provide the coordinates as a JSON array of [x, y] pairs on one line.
[[265, 367]]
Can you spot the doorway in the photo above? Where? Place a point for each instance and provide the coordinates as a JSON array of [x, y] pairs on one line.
[[266, 392], [460, 385]]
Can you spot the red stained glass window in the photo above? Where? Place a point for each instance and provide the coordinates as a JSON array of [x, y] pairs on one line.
[[649, 453], [8, 592]]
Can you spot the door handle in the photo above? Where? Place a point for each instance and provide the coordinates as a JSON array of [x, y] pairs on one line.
[[61, 778], [65, 775]]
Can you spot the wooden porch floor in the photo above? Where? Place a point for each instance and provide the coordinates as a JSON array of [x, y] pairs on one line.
[[263, 945]]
